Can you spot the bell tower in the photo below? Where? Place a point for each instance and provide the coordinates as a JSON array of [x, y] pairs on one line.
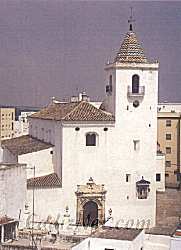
[[132, 78], [132, 97]]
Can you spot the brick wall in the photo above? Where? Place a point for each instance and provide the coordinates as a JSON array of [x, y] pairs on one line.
[[168, 207]]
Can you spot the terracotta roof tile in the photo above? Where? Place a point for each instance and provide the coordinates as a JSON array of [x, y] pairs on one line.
[[55, 111], [5, 219], [46, 181], [116, 233], [24, 144], [87, 112], [79, 111], [131, 50]]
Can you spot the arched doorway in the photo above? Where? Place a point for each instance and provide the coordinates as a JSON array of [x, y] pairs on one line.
[[90, 203], [90, 214]]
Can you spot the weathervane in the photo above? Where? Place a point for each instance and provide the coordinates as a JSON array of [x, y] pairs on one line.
[[131, 20]]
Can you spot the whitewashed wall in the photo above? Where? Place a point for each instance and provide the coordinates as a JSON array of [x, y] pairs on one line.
[[102, 244], [107, 164], [42, 160], [8, 157], [160, 169], [175, 243], [42, 129], [12, 190], [156, 242], [48, 202]]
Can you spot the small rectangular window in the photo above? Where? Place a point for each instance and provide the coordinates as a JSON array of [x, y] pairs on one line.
[[128, 178], [168, 164], [136, 145], [168, 136], [158, 177], [168, 150], [168, 123], [166, 175]]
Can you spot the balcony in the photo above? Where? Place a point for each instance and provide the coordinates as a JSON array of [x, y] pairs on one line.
[[139, 91]]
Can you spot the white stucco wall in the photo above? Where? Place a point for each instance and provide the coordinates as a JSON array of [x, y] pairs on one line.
[[7, 156], [42, 160], [156, 242], [102, 244], [160, 169], [49, 131], [175, 243], [12, 190], [48, 202], [42, 129]]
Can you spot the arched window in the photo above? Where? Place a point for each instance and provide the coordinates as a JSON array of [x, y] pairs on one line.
[[91, 139], [135, 84]]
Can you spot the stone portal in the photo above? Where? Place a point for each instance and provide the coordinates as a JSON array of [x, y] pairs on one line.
[[90, 204]]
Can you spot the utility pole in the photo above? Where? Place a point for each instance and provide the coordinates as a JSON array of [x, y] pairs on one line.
[[33, 242]]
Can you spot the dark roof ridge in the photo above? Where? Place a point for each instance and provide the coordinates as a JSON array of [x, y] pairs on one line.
[[78, 104], [81, 102], [25, 144]]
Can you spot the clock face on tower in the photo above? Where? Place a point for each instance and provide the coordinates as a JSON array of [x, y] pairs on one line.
[[136, 103]]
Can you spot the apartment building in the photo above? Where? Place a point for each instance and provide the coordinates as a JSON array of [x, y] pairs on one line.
[[7, 118], [170, 141]]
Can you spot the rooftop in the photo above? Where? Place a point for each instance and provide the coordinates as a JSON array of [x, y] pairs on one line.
[[168, 115], [131, 50], [116, 233], [46, 181], [45, 244], [75, 111], [24, 144], [162, 230], [5, 220]]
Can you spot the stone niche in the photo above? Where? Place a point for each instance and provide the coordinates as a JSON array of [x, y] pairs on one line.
[[90, 204]]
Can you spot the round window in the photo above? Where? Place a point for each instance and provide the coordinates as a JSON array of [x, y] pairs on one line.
[[136, 103]]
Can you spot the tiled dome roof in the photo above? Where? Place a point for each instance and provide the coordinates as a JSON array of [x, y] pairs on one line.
[[131, 50]]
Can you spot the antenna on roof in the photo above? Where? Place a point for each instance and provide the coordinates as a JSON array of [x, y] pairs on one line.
[[131, 20]]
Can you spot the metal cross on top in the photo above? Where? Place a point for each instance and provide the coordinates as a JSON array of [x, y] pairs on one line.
[[131, 20]]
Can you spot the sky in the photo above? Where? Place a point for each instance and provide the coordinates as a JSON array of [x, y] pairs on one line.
[[60, 47]]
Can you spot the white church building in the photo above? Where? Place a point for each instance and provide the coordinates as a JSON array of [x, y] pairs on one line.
[[98, 163]]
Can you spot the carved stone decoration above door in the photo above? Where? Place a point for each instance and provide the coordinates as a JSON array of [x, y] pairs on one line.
[[90, 204]]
